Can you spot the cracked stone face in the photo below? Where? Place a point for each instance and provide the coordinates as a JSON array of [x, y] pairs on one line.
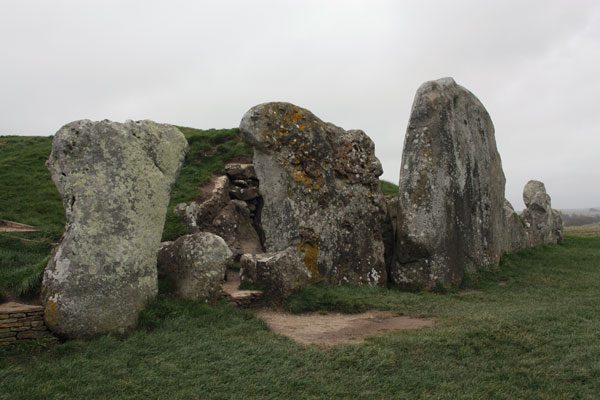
[[115, 180], [542, 223], [451, 205], [321, 192], [196, 264]]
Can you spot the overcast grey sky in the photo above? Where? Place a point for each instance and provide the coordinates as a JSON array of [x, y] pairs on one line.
[[534, 64]]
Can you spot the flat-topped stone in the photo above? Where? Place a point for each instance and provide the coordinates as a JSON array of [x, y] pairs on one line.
[[12, 307], [20, 322]]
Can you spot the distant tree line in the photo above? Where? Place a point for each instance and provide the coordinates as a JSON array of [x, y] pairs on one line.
[[578, 219]]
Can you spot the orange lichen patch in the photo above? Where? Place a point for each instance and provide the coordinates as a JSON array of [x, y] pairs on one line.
[[297, 115], [51, 312], [282, 132], [311, 257], [309, 183], [302, 127]]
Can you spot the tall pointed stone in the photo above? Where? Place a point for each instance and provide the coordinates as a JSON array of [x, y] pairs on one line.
[[451, 205]]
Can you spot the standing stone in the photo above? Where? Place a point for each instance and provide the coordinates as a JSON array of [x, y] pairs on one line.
[[115, 180], [320, 192], [196, 265], [451, 212], [516, 236], [543, 223]]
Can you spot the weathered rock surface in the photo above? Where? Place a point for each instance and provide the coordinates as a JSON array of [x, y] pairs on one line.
[[451, 213], [115, 180], [198, 215], [515, 234], [320, 192], [543, 223], [278, 273], [240, 171], [215, 212], [234, 223], [196, 264]]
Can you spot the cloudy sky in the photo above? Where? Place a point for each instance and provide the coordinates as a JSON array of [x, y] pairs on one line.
[[534, 64]]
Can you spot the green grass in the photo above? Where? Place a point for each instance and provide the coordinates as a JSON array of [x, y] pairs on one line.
[[389, 188], [529, 329]]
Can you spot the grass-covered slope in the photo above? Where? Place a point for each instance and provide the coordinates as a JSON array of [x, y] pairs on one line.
[[529, 330], [27, 195]]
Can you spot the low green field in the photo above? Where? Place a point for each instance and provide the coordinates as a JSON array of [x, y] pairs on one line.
[[529, 329]]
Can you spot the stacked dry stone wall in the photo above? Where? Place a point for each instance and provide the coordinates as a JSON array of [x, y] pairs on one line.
[[19, 322]]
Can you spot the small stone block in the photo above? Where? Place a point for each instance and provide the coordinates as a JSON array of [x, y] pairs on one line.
[[17, 315], [40, 313], [39, 328], [32, 318], [12, 308], [9, 323]]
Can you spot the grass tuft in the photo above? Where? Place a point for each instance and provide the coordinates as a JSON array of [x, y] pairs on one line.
[[389, 188]]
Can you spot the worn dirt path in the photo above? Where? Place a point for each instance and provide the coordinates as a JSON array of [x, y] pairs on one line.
[[334, 328]]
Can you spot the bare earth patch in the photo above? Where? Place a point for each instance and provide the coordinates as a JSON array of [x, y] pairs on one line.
[[334, 328], [10, 226]]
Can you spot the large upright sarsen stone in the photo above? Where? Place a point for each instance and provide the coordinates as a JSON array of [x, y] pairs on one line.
[[321, 193], [451, 206], [115, 180]]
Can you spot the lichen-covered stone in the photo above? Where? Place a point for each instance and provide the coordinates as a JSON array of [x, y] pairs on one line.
[[234, 224], [215, 212], [198, 214], [244, 193], [237, 171], [320, 192], [543, 223], [451, 212], [515, 234], [279, 273], [115, 180], [196, 265]]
